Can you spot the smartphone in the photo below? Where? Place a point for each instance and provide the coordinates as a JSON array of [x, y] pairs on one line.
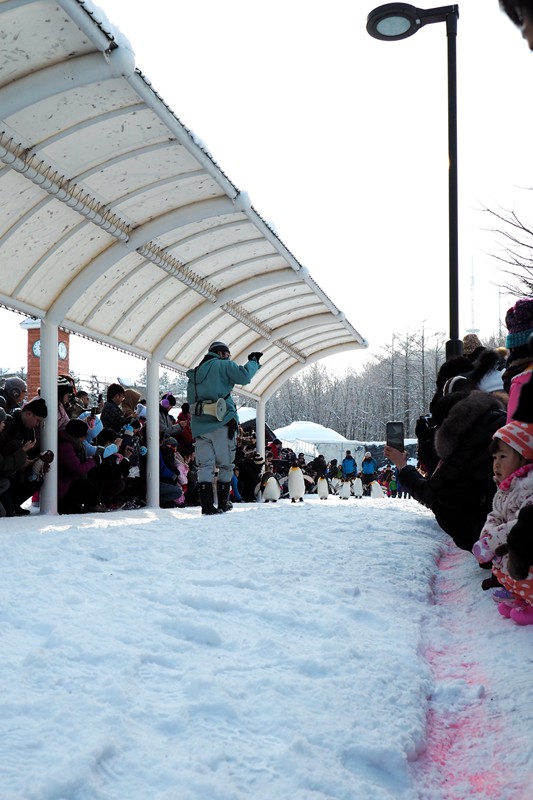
[[93, 412], [394, 435]]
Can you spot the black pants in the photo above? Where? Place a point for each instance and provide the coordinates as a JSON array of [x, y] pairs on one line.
[[19, 490], [82, 492]]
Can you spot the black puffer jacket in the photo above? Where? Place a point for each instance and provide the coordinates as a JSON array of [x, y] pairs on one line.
[[460, 490]]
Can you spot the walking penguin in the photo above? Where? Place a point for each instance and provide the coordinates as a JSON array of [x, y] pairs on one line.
[[345, 489], [322, 488], [357, 487], [376, 490], [296, 483], [270, 489]]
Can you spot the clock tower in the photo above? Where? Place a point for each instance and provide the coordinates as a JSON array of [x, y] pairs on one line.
[[33, 326]]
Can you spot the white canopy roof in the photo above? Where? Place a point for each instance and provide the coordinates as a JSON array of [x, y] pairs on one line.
[[116, 224]]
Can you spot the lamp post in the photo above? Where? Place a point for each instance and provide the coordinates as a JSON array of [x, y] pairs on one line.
[[395, 21]]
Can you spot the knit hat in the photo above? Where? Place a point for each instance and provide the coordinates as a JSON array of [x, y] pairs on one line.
[[470, 343], [170, 441], [454, 366], [215, 347], [37, 407], [519, 436], [14, 387], [519, 323], [368, 454], [76, 428]]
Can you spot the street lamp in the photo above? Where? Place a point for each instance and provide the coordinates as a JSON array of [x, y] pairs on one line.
[[395, 21]]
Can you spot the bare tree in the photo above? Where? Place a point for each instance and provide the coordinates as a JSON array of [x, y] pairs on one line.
[[518, 252], [398, 382]]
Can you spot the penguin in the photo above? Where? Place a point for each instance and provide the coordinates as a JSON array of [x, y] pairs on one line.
[[376, 490], [357, 487], [296, 483], [345, 490], [322, 488], [270, 489], [335, 485]]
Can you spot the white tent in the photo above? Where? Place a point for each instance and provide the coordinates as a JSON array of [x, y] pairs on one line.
[[313, 439]]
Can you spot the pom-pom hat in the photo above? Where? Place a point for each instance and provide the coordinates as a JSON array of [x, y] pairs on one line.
[[216, 347], [519, 436], [519, 323]]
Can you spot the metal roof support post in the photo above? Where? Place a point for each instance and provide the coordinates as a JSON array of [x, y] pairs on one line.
[[49, 438], [260, 427], [152, 430]]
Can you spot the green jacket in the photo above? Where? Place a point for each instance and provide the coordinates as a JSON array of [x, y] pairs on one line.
[[215, 377]]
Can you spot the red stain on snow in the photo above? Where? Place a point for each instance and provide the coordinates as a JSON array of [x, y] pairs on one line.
[[452, 757]]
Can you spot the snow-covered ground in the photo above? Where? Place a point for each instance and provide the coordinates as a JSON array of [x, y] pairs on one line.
[[326, 649]]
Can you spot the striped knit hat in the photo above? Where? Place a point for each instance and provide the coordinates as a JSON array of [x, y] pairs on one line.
[[519, 436]]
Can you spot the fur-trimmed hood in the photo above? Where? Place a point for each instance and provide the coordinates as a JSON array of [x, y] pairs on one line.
[[485, 374], [464, 415], [487, 361]]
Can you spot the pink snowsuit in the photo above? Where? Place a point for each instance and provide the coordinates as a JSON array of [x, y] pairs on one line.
[[513, 493]]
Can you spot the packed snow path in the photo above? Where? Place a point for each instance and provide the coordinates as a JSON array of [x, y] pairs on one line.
[[329, 649]]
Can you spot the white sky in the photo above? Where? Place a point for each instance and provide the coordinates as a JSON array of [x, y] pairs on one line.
[[329, 650], [340, 141]]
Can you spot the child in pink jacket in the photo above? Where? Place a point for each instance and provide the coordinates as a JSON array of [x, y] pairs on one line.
[[513, 472]]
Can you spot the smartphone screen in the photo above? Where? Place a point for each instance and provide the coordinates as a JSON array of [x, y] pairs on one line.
[[394, 435]]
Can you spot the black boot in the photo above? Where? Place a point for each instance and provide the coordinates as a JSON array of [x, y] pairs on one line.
[[224, 503], [206, 499]]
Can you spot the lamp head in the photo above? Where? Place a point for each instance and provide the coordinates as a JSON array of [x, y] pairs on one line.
[[393, 21]]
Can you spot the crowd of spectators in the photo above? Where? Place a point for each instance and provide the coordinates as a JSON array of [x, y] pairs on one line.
[[474, 470], [476, 459]]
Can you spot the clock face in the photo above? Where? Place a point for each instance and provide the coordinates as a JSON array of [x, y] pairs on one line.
[[36, 348], [62, 350]]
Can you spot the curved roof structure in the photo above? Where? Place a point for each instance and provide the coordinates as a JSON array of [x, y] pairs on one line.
[[116, 224]]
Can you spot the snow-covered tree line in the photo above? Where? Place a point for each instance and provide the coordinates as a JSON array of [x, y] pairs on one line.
[[397, 384]]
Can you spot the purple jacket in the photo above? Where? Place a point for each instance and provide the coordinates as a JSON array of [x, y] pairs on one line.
[[72, 462]]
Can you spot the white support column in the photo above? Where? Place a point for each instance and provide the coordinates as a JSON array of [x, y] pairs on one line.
[[152, 430], [48, 388], [260, 427]]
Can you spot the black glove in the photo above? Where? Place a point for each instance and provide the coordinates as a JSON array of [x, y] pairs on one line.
[[255, 357]]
